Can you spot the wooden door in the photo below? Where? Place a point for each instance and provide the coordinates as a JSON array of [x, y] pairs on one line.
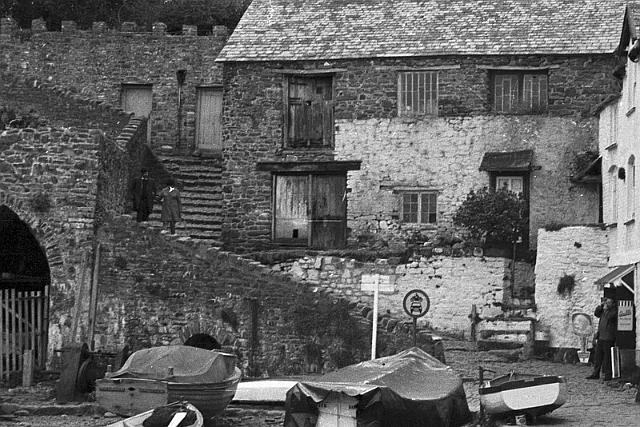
[[138, 99], [310, 112], [291, 221], [209, 118], [328, 211]]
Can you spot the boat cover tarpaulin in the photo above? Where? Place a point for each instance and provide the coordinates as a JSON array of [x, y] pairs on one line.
[[411, 388], [189, 365]]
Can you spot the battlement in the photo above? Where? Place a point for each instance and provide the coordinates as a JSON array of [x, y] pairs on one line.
[[9, 29]]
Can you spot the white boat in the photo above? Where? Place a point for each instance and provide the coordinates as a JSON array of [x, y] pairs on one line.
[[522, 394], [137, 420]]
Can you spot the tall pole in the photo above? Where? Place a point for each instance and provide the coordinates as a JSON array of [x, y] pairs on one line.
[[375, 319]]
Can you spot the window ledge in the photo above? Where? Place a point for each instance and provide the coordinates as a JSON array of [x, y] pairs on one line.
[[630, 221], [611, 225], [611, 146], [631, 110]]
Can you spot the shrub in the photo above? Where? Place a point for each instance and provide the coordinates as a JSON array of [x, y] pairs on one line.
[[566, 284], [499, 215]]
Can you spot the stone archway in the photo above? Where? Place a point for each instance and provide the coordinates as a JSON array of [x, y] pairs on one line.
[[25, 278]]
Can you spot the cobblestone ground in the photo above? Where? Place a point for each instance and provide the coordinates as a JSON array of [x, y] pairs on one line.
[[591, 403]]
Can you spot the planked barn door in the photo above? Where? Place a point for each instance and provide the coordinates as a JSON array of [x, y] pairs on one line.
[[209, 118], [328, 211], [138, 99], [291, 222], [310, 112]]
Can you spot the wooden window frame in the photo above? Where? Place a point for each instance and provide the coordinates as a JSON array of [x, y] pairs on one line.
[[613, 193], [420, 211], [430, 93], [520, 78], [631, 188], [329, 139]]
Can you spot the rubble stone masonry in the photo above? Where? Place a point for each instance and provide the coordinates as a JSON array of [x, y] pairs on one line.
[[441, 153], [96, 62]]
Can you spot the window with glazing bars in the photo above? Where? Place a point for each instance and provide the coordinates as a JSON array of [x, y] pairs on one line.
[[519, 92], [418, 93], [419, 208]]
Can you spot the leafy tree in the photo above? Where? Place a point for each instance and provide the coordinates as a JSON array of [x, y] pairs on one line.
[[498, 215]]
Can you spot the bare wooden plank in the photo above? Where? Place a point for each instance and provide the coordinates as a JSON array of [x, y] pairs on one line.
[[45, 325], [20, 320], [39, 327], [27, 368], [3, 334], [13, 346], [32, 320]]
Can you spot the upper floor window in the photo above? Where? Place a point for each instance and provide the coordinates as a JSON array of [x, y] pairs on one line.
[[309, 112], [418, 93], [631, 188], [613, 124], [420, 207], [520, 92], [613, 192]]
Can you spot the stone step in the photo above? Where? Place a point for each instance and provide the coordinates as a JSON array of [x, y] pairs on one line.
[[194, 221], [486, 345]]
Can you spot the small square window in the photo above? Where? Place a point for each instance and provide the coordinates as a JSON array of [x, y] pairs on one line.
[[418, 93], [419, 208]]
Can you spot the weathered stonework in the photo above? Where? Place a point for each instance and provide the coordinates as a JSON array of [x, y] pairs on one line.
[[572, 251], [453, 285], [96, 63], [441, 153]]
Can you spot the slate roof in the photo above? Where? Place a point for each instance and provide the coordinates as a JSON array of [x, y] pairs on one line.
[[507, 161], [633, 15], [340, 29]]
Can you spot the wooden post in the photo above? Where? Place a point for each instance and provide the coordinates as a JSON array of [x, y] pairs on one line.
[[3, 334], [27, 368]]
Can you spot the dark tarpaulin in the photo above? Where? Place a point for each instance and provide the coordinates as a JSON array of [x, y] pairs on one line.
[[410, 389]]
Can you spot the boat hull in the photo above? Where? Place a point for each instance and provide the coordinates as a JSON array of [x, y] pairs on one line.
[[130, 396], [138, 419], [534, 396]]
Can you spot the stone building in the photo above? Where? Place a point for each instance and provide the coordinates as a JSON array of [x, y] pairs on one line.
[[399, 108], [619, 126]]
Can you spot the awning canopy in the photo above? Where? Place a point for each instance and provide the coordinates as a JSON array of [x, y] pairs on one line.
[[591, 173], [615, 274], [309, 166], [507, 161]]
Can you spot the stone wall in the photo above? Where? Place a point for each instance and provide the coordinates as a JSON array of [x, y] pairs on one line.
[[95, 64], [440, 153], [577, 251], [157, 289], [453, 285]]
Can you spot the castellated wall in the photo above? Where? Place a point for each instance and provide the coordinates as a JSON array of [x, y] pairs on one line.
[[95, 63]]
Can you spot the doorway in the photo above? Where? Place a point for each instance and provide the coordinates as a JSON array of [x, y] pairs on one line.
[[138, 99], [209, 118], [24, 295]]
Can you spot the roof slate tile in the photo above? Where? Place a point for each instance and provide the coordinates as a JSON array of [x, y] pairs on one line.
[[341, 29]]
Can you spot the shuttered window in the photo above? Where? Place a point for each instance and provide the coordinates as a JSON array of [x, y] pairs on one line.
[[419, 208], [418, 93], [519, 92], [309, 118]]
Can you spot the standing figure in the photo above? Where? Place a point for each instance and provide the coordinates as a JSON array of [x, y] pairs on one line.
[[171, 205], [606, 337], [144, 192]]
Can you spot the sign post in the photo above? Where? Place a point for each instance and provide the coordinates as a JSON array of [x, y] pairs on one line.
[[371, 282], [416, 304]]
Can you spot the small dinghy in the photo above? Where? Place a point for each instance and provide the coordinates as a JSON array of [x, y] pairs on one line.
[[178, 414], [521, 394]]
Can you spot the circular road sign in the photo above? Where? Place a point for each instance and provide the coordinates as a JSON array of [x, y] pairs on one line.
[[416, 303]]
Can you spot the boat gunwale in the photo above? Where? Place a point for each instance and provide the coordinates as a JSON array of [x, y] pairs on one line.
[[520, 383]]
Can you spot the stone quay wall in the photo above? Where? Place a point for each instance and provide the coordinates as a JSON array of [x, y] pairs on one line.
[[440, 153], [577, 251], [95, 63], [453, 285]]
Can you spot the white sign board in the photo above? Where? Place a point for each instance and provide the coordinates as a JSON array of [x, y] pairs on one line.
[[625, 315], [383, 283]]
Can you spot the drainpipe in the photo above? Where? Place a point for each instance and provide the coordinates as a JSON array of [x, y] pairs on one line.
[[181, 76]]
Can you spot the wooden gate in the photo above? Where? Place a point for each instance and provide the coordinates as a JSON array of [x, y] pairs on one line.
[[23, 326]]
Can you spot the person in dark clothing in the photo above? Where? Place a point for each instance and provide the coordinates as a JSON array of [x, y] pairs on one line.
[[144, 192], [171, 205], [606, 337]]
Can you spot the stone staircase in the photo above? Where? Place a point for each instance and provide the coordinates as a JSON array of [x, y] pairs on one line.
[[200, 182]]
